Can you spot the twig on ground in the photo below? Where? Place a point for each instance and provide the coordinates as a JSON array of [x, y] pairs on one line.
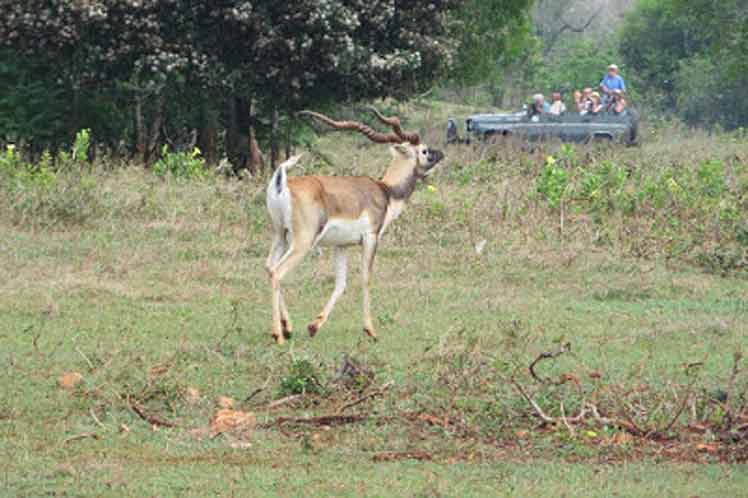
[[566, 422], [282, 401], [90, 365], [546, 356], [731, 394], [632, 427], [95, 418], [680, 410], [253, 394], [539, 411], [391, 456], [78, 437], [328, 420], [151, 419], [371, 394]]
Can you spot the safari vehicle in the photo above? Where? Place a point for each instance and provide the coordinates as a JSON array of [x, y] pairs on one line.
[[568, 127]]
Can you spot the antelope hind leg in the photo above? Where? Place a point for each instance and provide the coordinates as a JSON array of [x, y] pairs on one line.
[[367, 264], [295, 254], [277, 250]]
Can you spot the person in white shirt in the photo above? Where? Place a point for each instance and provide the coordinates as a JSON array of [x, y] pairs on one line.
[[557, 105]]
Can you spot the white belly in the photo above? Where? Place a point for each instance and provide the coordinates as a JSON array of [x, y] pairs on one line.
[[343, 232]]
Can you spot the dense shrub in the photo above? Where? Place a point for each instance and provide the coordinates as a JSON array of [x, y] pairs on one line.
[[182, 165]]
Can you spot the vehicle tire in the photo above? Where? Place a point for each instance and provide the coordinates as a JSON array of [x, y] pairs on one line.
[[634, 131], [496, 137], [601, 140]]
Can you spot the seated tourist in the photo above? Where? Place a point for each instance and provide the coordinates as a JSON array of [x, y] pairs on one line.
[[611, 82], [597, 103], [584, 102], [558, 107], [617, 105], [539, 106]]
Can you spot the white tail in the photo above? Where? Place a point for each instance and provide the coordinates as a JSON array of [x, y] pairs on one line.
[[278, 198]]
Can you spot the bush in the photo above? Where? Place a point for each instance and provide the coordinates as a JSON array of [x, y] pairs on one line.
[[181, 165], [303, 377], [553, 183], [53, 190]]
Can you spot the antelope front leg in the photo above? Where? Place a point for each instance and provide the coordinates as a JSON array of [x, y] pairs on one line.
[[340, 264], [367, 265]]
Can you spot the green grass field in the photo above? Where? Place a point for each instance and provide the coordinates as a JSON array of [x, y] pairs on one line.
[[159, 299]]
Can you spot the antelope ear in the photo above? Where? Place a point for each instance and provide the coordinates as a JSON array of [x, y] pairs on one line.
[[401, 150]]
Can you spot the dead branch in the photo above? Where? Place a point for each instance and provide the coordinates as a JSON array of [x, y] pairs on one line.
[[678, 413], [587, 409], [371, 394], [545, 356], [253, 394], [281, 402], [391, 456], [631, 425], [151, 419], [90, 365], [84, 435], [328, 420], [566, 422], [554, 37], [350, 369], [95, 418], [689, 391], [539, 411], [731, 388]]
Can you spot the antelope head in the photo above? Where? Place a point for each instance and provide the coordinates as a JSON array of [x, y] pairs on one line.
[[412, 160]]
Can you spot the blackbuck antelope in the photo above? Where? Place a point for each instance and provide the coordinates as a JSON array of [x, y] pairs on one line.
[[340, 211]]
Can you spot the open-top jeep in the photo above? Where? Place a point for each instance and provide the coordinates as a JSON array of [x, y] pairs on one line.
[[568, 127]]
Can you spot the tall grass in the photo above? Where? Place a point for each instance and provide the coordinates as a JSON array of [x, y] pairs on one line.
[[682, 196]]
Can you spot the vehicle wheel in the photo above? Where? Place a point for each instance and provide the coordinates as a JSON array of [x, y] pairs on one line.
[[497, 137], [601, 140]]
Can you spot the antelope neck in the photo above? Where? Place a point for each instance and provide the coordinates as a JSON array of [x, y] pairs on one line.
[[400, 183]]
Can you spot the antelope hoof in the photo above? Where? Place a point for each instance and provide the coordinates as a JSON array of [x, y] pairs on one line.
[[370, 332], [279, 339], [313, 328], [287, 329]]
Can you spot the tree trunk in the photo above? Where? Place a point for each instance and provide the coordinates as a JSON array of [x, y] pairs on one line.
[[288, 142], [154, 137], [256, 159], [141, 135], [75, 115], [148, 127], [207, 137], [274, 131], [232, 130]]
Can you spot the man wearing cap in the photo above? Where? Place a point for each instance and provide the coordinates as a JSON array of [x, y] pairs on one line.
[[612, 81]]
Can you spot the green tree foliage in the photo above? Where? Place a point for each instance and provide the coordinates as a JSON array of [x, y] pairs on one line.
[[174, 65], [30, 105], [574, 65], [691, 56], [492, 34], [281, 55]]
